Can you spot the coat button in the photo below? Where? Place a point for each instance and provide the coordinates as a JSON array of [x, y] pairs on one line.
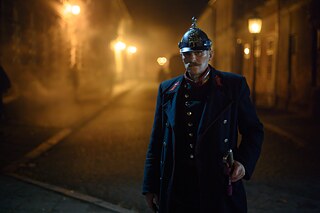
[[191, 145], [187, 86], [226, 140], [164, 143], [190, 134], [187, 104], [191, 156], [225, 121], [167, 124], [190, 124], [186, 95], [189, 113]]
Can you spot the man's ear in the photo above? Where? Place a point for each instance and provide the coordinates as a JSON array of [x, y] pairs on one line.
[[211, 54]]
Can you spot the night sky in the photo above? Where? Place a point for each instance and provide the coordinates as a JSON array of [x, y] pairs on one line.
[[159, 25], [172, 14]]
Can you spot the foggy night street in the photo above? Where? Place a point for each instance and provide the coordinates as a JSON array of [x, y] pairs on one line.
[[78, 89], [105, 159]]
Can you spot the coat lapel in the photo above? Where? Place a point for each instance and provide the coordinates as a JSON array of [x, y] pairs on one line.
[[170, 101], [217, 101]]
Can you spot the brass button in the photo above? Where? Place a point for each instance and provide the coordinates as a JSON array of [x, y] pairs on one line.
[[189, 113], [191, 156], [226, 140], [187, 86], [190, 124], [190, 134], [225, 121], [186, 95], [191, 145]]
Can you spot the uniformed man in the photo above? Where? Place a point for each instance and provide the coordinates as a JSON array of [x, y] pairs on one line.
[[189, 164]]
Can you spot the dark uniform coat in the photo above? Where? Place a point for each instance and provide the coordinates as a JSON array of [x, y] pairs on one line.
[[228, 109]]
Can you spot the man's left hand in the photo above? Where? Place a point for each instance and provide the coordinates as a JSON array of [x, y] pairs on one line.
[[238, 171]]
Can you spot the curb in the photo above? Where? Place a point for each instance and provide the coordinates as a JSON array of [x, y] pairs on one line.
[[72, 194]]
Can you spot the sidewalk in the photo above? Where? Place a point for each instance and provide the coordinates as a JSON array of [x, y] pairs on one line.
[[19, 196]]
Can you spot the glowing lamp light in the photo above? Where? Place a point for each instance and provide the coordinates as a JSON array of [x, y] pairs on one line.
[[254, 25], [67, 8], [71, 9], [132, 49], [119, 46], [162, 60], [75, 9], [246, 51]]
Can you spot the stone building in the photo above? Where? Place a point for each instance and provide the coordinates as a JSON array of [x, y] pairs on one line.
[[49, 49], [285, 53]]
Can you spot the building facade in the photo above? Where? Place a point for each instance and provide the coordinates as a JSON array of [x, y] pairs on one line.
[[49, 49], [285, 54]]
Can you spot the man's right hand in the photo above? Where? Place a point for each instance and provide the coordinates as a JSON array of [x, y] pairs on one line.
[[152, 201]]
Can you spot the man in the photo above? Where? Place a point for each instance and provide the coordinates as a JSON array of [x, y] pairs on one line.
[[189, 165]]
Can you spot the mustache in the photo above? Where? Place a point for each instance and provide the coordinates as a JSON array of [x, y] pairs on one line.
[[192, 64]]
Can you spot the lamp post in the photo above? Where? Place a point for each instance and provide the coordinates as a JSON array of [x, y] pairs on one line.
[[254, 25]]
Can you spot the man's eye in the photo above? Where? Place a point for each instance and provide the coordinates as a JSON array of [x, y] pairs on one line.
[[198, 53]]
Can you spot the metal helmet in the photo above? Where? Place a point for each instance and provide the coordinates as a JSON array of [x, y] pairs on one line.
[[194, 39]]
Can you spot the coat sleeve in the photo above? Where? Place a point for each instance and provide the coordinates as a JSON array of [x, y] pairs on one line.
[[251, 130], [151, 182]]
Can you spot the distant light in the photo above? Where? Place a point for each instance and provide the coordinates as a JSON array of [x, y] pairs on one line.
[[132, 49], [119, 46], [246, 51], [67, 8], [71, 9], [254, 25], [162, 60], [75, 9]]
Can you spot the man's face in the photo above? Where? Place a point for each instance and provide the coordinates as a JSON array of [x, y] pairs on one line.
[[196, 62]]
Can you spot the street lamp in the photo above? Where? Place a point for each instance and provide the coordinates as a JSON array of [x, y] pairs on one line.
[[71, 9], [131, 50], [254, 26], [119, 46]]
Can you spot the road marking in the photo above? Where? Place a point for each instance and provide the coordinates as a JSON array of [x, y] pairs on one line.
[[73, 194], [58, 137], [43, 147], [296, 140]]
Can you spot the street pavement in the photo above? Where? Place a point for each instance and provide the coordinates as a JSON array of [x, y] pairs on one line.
[[28, 132], [20, 194]]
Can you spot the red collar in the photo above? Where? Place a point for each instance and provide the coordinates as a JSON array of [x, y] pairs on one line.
[[203, 78]]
